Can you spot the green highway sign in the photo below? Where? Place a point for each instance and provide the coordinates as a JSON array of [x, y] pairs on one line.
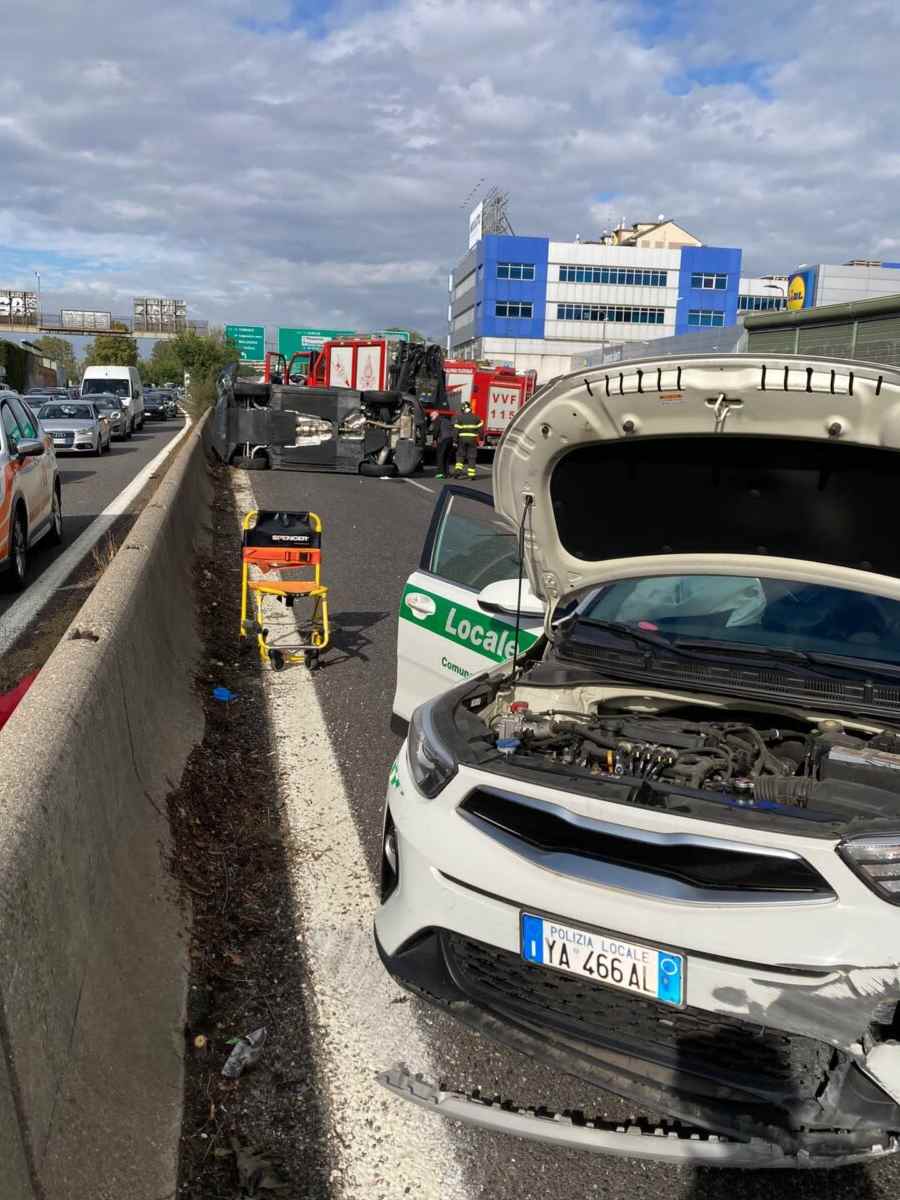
[[290, 340], [392, 335], [250, 341]]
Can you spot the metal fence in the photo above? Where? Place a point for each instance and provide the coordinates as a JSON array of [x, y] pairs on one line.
[[74, 323]]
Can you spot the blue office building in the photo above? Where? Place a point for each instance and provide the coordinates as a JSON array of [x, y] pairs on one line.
[[534, 303]]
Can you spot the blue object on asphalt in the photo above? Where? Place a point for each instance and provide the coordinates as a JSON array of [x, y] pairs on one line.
[[222, 693]]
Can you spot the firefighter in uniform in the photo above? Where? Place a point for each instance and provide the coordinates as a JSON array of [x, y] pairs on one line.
[[467, 426]]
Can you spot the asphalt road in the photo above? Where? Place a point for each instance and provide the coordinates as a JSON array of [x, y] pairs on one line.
[[374, 530], [90, 483]]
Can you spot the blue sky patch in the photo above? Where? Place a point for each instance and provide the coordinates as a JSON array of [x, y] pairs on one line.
[[751, 74], [657, 21], [18, 266], [313, 17]]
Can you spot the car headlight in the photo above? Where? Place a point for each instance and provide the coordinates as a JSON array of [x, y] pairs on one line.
[[431, 765], [876, 860]]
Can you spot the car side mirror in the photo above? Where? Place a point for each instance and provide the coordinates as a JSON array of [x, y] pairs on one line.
[[30, 448], [501, 597]]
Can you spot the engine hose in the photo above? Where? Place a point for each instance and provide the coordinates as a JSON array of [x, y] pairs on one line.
[[601, 743], [778, 790]]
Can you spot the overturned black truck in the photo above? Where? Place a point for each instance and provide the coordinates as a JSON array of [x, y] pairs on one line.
[[276, 425]]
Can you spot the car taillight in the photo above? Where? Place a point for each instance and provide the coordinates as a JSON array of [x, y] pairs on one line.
[[876, 860]]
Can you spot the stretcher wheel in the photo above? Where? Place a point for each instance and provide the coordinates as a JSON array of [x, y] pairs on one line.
[[276, 658], [311, 659]]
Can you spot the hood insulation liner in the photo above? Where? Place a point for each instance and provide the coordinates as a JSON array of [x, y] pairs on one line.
[[790, 498]]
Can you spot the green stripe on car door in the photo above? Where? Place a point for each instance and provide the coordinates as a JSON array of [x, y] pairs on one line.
[[468, 627]]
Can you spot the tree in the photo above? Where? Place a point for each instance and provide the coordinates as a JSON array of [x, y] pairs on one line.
[[62, 351], [203, 355], [163, 365], [112, 350]]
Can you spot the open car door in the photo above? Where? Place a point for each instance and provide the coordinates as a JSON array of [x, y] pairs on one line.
[[458, 610]]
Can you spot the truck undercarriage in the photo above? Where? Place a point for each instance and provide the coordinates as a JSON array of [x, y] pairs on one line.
[[261, 425]]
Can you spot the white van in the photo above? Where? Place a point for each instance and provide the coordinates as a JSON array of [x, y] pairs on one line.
[[124, 382]]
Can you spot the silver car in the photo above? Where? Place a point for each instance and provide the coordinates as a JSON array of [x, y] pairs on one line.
[[111, 407], [77, 426]]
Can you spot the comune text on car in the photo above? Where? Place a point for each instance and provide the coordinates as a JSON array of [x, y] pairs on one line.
[[661, 852]]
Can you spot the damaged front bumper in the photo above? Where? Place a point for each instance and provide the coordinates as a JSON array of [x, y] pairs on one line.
[[741, 1094], [667, 1142]]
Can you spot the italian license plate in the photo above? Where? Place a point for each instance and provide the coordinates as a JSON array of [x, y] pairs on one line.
[[604, 958], [58, 441]]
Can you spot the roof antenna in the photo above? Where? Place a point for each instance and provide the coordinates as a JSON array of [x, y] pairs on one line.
[[526, 514]]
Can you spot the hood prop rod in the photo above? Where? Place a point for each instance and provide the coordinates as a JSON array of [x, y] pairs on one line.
[[526, 514]]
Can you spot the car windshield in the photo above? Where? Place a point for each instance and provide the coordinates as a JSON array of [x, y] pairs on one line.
[[118, 387], [107, 403], [66, 412], [772, 614]]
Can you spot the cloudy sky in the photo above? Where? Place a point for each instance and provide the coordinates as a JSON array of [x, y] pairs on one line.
[[305, 162]]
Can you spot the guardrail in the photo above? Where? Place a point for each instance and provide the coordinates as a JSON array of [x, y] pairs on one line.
[[93, 953], [67, 322]]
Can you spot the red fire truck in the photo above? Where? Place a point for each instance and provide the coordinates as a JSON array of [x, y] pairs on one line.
[[360, 363], [496, 393]]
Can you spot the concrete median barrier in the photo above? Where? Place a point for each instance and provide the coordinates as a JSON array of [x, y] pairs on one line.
[[93, 941]]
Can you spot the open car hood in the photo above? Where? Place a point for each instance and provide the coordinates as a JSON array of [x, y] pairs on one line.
[[720, 464]]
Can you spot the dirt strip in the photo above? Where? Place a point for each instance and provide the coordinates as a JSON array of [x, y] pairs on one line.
[[263, 1133]]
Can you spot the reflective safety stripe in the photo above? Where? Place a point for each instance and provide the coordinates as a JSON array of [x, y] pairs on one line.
[[470, 430]]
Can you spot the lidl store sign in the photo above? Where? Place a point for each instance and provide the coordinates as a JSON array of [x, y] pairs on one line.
[[801, 291], [290, 340], [250, 341]]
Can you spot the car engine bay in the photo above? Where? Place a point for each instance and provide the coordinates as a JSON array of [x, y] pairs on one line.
[[753, 757]]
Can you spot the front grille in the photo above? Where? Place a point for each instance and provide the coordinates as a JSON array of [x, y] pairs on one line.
[[736, 1054], [700, 863], [63, 439]]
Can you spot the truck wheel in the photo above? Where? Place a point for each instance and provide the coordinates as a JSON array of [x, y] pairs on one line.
[[407, 457], [377, 470]]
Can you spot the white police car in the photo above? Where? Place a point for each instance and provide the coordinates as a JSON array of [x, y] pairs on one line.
[[663, 852]]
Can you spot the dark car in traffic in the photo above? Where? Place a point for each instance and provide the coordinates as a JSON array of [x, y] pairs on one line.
[[170, 401], [155, 406], [111, 407]]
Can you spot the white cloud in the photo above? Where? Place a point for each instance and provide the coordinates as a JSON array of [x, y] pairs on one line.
[[317, 175]]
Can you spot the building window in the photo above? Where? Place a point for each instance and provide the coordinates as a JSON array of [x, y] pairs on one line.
[[709, 283], [631, 276], [464, 318], [760, 303], [705, 317], [618, 314], [515, 270], [514, 308], [464, 285]]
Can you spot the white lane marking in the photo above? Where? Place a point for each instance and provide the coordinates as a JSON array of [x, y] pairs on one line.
[[20, 614], [382, 1146], [420, 485]]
